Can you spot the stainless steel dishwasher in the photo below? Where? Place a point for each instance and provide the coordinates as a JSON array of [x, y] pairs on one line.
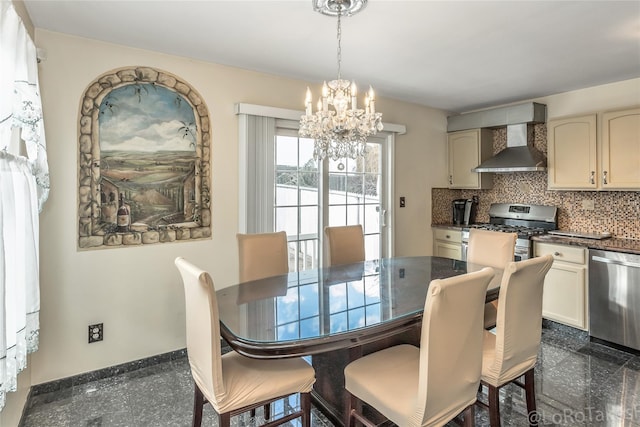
[[614, 297]]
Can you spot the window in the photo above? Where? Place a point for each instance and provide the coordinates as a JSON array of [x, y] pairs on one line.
[[284, 188]]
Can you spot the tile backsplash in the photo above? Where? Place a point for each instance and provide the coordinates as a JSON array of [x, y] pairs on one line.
[[615, 211]]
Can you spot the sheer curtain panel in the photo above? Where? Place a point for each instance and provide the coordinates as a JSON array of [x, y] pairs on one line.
[[24, 187]]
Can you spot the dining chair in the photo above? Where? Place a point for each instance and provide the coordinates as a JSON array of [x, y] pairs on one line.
[[345, 244], [262, 255], [233, 383], [512, 351], [432, 384], [492, 249]]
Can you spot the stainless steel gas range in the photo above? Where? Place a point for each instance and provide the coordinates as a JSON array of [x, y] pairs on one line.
[[525, 220]]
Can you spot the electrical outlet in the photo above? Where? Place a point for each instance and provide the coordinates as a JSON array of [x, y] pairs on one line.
[[95, 332], [588, 205]]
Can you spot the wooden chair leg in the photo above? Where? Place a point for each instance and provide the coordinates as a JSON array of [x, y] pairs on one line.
[[350, 404], [267, 411], [305, 407], [224, 420], [469, 416], [198, 403], [494, 406], [530, 393]]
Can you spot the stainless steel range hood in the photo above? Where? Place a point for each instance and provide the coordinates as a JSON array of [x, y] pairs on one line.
[[520, 154]]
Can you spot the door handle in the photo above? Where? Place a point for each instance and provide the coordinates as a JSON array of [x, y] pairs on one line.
[[604, 178], [383, 217], [592, 179]]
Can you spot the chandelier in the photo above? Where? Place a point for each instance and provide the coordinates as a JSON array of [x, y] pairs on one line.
[[340, 129]]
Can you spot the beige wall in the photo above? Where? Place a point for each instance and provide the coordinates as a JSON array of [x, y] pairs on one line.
[[136, 292]]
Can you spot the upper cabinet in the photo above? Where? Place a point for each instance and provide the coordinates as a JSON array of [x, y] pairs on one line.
[[466, 150], [571, 153], [583, 157], [621, 149]]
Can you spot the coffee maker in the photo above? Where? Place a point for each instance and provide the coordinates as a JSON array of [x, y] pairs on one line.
[[464, 211]]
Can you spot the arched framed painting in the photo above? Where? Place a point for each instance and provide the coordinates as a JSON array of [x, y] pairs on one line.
[[144, 161]]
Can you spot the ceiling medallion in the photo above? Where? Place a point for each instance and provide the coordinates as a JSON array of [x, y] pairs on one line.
[[340, 129]]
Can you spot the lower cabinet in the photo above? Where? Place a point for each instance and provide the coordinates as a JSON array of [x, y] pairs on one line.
[[565, 287], [447, 243]]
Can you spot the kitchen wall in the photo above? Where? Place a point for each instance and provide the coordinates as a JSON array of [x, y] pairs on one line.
[[136, 291], [615, 211]]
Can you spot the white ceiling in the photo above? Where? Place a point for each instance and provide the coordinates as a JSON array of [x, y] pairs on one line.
[[453, 55]]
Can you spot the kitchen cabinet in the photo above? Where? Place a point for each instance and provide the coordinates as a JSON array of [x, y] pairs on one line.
[[466, 150], [447, 243], [571, 153], [621, 149], [565, 286], [583, 157]]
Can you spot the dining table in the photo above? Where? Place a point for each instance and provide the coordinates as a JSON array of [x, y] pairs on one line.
[[334, 315]]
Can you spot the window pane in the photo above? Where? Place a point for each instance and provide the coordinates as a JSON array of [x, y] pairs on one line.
[[308, 181], [310, 327], [371, 219], [355, 294], [372, 290], [356, 318], [372, 163], [309, 303], [287, 309], [288, 332], [355, 214], [372, 187], [287, 220], [309, 220], [338, 322], [372, 246], [373, 314], [306, 154], [337, 298], [337, 215], [354, 189], [286, 152], [286, 188]]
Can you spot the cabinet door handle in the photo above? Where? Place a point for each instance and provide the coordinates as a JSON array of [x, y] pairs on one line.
[[557, 254], [450, 179], [592, 179], [447, 236], [604, 178]]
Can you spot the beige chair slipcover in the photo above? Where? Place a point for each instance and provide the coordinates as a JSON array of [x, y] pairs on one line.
[[262, 255], [345, 244], [493, 249], [512, 351], [233, 383], [430, 385]]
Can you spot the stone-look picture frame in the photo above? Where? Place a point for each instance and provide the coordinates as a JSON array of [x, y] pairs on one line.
[[190, 197]]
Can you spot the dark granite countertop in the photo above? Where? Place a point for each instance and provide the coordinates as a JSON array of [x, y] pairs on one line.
[[612, 244]]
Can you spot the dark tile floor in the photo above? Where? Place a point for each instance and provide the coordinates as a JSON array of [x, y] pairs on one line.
[[578, 384]]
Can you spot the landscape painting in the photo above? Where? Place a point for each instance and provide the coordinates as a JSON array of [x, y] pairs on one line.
[[147, 137]]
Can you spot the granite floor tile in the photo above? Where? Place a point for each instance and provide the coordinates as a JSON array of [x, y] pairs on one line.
[[577, 384]]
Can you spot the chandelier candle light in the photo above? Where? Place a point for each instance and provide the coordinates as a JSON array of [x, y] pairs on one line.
[[341, 131]]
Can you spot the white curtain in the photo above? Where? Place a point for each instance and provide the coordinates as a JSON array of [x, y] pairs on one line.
[[24, 187]]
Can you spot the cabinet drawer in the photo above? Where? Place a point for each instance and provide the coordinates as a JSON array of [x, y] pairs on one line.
[[454, 236], [562, 252]]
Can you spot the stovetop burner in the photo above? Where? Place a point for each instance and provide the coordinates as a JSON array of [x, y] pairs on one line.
[[521, 230]]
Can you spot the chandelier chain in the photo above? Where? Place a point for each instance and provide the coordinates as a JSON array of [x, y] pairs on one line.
[[339, 39]]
